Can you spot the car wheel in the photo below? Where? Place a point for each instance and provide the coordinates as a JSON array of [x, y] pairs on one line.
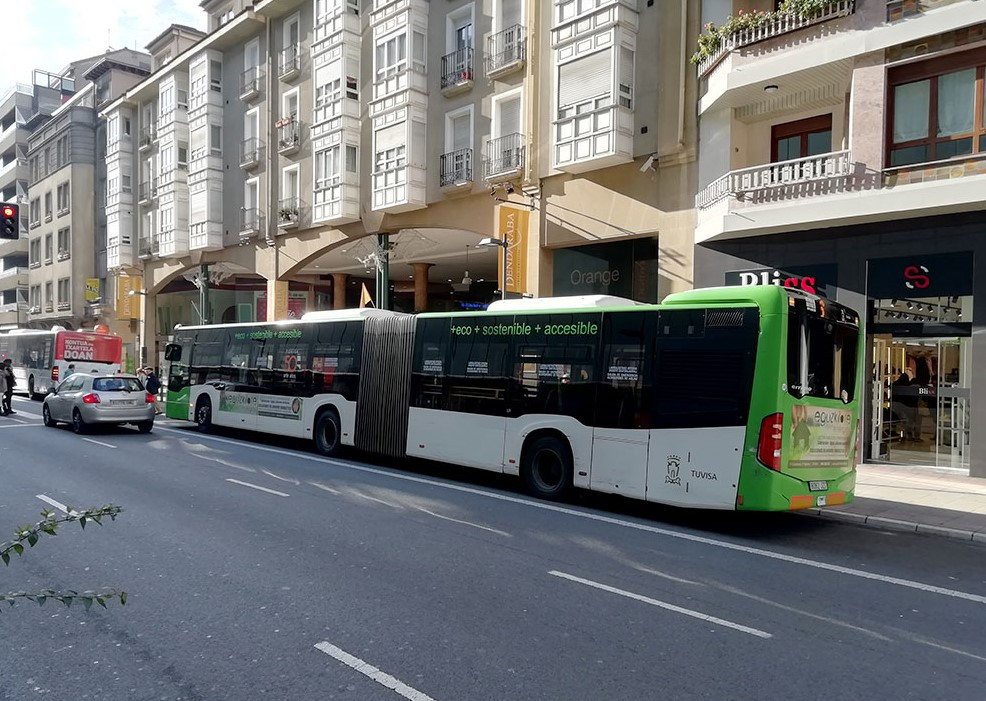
[[547, 468], [328, 432], [203, 414], [46, 417], [78, 425], [145, 426]]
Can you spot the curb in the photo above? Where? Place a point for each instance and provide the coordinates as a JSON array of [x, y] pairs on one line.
[[978, 537]]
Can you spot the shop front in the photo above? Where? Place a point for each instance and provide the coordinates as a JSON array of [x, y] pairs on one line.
[[621, 268], [921, 302]]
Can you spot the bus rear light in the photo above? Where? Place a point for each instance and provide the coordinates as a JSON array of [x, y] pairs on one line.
[[771, 438], [90, 399]]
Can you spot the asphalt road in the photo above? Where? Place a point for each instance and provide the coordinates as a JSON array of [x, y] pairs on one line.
[[259, 571]]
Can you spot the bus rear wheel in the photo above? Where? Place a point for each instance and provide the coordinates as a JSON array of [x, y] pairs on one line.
[[203, 414], [328, 432], [546, 468]]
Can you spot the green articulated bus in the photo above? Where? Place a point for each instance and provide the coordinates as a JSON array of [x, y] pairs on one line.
[[723, 398]]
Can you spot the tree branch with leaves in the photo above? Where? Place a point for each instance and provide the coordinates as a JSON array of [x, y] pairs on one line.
[[31, 534]]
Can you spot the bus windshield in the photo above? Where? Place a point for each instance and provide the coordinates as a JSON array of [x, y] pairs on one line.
[[88, 347], [822, 347]]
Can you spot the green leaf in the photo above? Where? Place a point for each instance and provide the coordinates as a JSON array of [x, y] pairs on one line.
[[32, 539], [86, 602], [6, 558], [82, 522], [123, 598], [41, 600], [101, 601], [18, 548]]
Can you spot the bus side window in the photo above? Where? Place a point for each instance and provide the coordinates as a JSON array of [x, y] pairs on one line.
[[208, 355], [705, 364], [555, 366], [430, 363], [624, 390], [476, 378]]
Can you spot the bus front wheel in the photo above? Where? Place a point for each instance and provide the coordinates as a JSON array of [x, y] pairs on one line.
[[547, 468], [328, 432], [203, 414]]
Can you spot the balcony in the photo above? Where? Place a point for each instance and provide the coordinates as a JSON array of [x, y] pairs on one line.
[[251, 83], [251, 224], [289, 63], [147, 139], [505, 158], [251, 153], [64, 306], [288, 213], [13, 278], [457, 72], [148, 247], [455, 170], [800, 177], [288, 136], [147, 192], [64, 255], [506, 52], [714, 47]]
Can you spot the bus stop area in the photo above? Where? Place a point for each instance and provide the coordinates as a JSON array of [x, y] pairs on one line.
[[916, 499]]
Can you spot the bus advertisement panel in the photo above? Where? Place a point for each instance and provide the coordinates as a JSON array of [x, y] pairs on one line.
[[42, 358]]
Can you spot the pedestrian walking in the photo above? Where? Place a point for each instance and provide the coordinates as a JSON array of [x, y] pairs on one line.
[[153, 385], [8, 390], [3, 389]]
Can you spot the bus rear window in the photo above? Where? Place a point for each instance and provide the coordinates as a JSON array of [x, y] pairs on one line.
[[821, 354]]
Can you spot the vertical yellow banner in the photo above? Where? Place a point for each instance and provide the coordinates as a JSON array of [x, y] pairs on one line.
[[127, 305], [512, 224]]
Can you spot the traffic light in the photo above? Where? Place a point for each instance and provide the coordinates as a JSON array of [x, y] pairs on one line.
[[10, 221]]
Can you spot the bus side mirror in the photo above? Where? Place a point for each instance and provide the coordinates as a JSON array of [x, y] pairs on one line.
[[172, 352]]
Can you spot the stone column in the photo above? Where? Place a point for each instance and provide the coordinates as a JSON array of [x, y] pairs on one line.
[[339, 282], [147, 330], [421, 286]]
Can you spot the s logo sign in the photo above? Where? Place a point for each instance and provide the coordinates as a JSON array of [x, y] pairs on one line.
[[916, 277]]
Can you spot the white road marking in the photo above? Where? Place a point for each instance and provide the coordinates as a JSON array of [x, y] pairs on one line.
[[257, 486], [283, 479], [22, 424], [326, 488], [464, 523], [57, 504], [945, 648], [661, 604], [611, 520], [366, 669], [222, 462], [379, 501], [105, 445]]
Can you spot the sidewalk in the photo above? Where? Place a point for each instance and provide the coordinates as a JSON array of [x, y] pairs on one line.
[[917, 500]]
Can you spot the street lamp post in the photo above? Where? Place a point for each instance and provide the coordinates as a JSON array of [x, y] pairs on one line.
[[503, 244]]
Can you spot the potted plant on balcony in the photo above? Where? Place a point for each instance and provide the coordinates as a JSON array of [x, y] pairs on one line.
[[712, 37], [287, 214]]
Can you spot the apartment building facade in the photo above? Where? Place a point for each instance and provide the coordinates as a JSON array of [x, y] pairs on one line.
[[66, 194], [19, 107], [844, 151], [304, 145]]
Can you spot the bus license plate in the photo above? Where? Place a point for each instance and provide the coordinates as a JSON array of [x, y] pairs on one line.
[[820, 486]]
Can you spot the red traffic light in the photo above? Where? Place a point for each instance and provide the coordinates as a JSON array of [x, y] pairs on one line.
[[8, 211]]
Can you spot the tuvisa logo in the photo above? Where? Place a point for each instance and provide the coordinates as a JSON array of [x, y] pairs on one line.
[[775, 277], [917, 277]]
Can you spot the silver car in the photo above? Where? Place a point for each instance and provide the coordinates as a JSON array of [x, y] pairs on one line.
[[84, 400]]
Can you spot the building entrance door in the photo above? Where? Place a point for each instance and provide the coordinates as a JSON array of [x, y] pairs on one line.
[[920, 401]]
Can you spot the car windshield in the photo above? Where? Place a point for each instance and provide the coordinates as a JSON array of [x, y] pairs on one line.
[[117, 384]]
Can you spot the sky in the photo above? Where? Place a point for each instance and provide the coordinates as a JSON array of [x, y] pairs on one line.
[[53, 33]]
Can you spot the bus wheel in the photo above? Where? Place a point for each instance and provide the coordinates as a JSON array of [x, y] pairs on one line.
[[547, 468], [203, 414], [78, 425], [328, 432]]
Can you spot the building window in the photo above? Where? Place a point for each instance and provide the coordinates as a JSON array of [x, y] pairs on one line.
[[48, 210], [64, 244], [326, 167], [938, 109], [49, 296], [35, 212], [391, 56], [61, 148], [35, 253], [801, 139], [36, 297], [216, 140], [328, 92], [64, 200], [34, 170], [352, 159], [625, 77], [64, 293], [585, 84], [48, 252], [216, 75]]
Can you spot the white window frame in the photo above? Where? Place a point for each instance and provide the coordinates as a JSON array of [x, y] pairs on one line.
[[215, 144], [286, 31], [450, 118], [294, 170], [252, 48], [400, 65], [254, 184], [495, 110], [288, 94], [498, 25], [251, 124], [328, 179], [453, 19]]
